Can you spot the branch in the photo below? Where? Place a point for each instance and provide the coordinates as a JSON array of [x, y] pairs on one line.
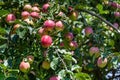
[[98, 16]]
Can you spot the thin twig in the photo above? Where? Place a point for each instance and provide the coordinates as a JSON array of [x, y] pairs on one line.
[[101, 18]]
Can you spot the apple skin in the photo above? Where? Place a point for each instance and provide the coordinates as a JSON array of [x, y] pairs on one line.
[[69, 36], [30, 59], [46, 65], [49, 25], [42, 31], [54, 78], [114, 4], [88, 31], [25, 14], [116, 25], [101, 63], [35, 9], [73, 15], [35, 14], [45, 7], [46, 41], [27, 7], [117, 14], [10, 18], [24, 66], [59, 25], [73, 45], [94, 51]]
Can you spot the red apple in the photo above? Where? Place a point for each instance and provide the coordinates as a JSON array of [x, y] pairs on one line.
[[35, 9], [45, 7], [49, 25], [27, 7], [59, 25], [24, 66], [60, 14], [69, 36], [94, 51], [114, 4], [25, 14], [101, 62], [73, 15], [88, 31], [117, 14], [42, 31], [55, 78], [46, 41], [46, 65], [30, 59], [35, 14], [10, 18], [116, 25], [73, 45]]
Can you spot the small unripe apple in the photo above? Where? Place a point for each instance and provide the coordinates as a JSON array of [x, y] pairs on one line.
[[45, 7], [29, 21], [42, 31], [10, 18], [35, 9], [27, 7], [117, 14], [73, 45], [25, 14], [101, 62], [88, 31], [46, 65], [69, 36], [73, 15], [59, 25], [46, 41], [55, 78], [49, 25], [35, 14], [30, 59], [24, 66], [94, 51]]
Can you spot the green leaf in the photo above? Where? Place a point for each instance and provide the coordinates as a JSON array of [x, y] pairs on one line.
[[3, 46], [2, 76], [2, 31], [11, 78], [82, 76], [99, 7], [54, 63], [3, 12], [62, 74], [74, 67]]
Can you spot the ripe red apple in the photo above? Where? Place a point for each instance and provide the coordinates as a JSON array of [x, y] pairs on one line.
[[10, 18], [24, 66], [94, 51], [25, 14], [46, 41], [30, 59], [55, 78], [35, 9], [42, 31], [45, 7], [49, 25], [46, 65], [35, 14], [73, 45], [27, 7], [117, 14], [114, 4], [101, 62], [88, 31], [69, 36], [59, 25], [73, 15]]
